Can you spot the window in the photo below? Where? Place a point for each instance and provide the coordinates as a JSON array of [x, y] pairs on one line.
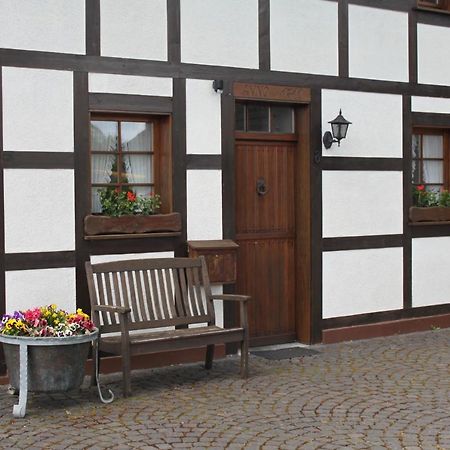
[[430, 158], [435, 4], [258, 117], [128, 153]]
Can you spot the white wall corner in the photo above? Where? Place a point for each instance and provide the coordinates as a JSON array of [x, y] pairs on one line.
[[130, 85], [430, 262], [295, 43], [39, 210], [362, 281], [354, 203], [220, 33], [369, 113], [43, 25], [204, 204], [378, 44], [30, 288], [433, 59], [37, 110], [134, 29], [203, 118], [431, 105]]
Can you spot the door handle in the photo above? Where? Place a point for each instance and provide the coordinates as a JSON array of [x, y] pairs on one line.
[[261, 187]]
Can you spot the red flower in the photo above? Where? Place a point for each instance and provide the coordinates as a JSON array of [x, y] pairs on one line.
[[117, 190], [130, 196], [421, 187]]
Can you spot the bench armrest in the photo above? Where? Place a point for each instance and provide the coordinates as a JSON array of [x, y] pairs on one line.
[[111, 309], [232, 297], [242, 299]]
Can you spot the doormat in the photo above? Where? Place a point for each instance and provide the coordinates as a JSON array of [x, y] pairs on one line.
[[285, 353]]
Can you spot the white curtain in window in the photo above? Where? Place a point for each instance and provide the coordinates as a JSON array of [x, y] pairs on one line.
[[433, 171], [138, 168], [102, 168]]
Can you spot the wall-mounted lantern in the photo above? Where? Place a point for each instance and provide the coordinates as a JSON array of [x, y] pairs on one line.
[[218, 85], [339, 127]]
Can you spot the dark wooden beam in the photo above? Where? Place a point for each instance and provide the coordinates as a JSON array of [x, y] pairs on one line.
[[203, 162], [130, 103], [264, 34], [38, 160], [92, 9], [355, 163], [362, 242]]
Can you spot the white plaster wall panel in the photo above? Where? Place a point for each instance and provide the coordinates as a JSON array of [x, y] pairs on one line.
[[369, 113], [360, 203], [203, 118], [134, 29], [433, 54], [362, 281], [430, 262], [218, 305], [204, 204], [431, 105], [43, 25], [37, 110], [295, 43], [220, 33], [378, 44], [39, 210], [130, 84], [30, 288], [95, 259]]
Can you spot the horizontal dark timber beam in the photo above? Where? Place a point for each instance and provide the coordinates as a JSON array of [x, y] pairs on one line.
[[430, 120], [395, 5], [363, 319], [204, 162], [422, 229], [433, 17], [99, 64], [38, 160], [144, 245], [130, 103], [362, 242], [350, 163], [42, 260]]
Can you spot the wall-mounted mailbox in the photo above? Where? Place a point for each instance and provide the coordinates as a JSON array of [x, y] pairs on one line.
[[220, 258]]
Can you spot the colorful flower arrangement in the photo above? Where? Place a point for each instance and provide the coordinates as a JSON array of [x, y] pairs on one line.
[[425, 199], [117, 202], [46, 321]]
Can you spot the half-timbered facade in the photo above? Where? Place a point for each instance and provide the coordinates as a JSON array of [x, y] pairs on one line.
[[220, 107]]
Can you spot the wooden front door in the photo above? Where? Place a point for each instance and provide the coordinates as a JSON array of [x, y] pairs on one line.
[[265, 232]]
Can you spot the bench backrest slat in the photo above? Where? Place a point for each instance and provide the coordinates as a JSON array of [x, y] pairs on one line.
[[159, 292]]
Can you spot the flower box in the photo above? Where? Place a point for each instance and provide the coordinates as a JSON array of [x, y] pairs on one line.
[[131, 224], [429, 214]]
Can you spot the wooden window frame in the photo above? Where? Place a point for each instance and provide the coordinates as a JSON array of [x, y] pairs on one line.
[[267, 135], [161, 153], [446, 152], [441, 5]]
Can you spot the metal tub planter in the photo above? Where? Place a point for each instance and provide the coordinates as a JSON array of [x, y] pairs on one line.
[[46, 350], [45, 364]]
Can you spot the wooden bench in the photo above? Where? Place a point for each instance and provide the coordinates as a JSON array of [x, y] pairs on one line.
[[134, 297]]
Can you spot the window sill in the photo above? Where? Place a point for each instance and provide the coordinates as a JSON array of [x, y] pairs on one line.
[[434, 215], [432, 10], [101, 237], [97, 227]]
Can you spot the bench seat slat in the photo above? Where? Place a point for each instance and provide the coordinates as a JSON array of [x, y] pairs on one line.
[[173, 339]]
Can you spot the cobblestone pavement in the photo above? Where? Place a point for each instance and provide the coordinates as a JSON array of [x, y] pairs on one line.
[[389, 393]]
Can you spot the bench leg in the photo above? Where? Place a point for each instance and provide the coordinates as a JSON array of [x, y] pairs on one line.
[[244, 358], [126, 374], [209, 357]]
